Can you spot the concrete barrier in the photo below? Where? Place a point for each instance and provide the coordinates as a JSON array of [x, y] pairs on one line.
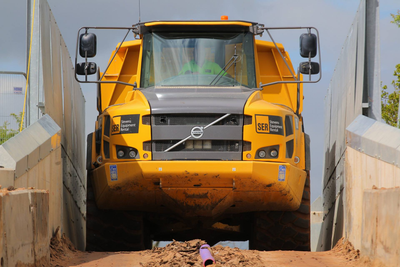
[[24, 221], [372, 160], [364, 172], [381, 226], [6, 176], [371, 216], [36, 158], [32, 158], [317, 219]]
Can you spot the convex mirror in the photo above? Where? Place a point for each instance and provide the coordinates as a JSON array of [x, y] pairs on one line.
[[308, 45], [86, 68], [309, 68], [87, 45]]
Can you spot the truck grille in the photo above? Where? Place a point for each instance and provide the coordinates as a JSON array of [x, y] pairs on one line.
[[221, 141], [199, 145], [195, 119]]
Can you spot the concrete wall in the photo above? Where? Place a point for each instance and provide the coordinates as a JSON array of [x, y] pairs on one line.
[[363, 173], [371, 195], [33, 159], [47, 174], [372, 203], [381, 226], [24, 221], [29, 218], [316, 220]]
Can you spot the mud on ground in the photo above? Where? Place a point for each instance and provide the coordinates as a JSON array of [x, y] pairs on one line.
[[185, 254]]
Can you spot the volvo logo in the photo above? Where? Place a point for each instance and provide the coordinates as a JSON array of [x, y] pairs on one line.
[[197, 132]]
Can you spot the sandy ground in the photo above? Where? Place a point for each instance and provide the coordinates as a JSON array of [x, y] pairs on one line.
[[184, 254]]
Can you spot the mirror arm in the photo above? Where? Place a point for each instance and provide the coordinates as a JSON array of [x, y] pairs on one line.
[[86, 66], [298, 93], [115, 82], [309, 63], [319, 55], [280, 53], [109, 63], [134, 29], [76, 54]]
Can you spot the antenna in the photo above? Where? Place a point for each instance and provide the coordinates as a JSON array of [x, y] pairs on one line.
[[139, 11]]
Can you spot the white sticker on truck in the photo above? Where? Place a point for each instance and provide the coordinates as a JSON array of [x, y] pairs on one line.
[[282, 173], [113, 173]]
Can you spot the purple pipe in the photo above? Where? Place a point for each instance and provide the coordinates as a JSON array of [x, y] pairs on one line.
[[206, 256]]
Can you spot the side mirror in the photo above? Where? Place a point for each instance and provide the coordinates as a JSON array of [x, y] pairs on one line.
[[309, 68], [308, 45], [83, 69], [87, 45]]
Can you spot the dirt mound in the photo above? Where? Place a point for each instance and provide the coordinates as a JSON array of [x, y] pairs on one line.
[[226, 256], [61, 249], [187, 254], [345, 249]]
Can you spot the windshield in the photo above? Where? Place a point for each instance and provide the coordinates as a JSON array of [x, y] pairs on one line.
[[198, 59]]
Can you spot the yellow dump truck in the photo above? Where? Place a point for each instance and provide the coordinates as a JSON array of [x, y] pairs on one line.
[[199, 135]]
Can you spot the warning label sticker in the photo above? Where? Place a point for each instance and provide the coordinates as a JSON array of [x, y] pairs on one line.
[[113, 173], [269, 124], [282, 173], [125, 124]]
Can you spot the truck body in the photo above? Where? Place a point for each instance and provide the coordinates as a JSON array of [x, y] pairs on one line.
[[188, 140]]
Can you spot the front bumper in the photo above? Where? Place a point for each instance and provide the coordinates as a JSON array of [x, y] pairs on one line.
[[198, 188]]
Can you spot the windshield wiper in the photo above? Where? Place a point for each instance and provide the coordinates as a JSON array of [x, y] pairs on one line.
[[231, 61]]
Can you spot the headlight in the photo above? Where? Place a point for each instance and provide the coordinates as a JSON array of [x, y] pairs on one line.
[[120, 153], [126, 152], [273, 153], [261, 154], [132, 154], [268, 152]]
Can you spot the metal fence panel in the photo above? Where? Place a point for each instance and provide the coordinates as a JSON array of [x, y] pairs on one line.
[[35, 80], [45, 30], [56, 110], [344, 94], [53, 86], [373, 61], [79, 132], [67, 83], [354, 82]]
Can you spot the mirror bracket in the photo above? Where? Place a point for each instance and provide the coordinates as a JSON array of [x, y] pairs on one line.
[[296, 79]]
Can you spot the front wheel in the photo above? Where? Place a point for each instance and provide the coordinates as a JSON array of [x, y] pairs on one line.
[[113, 230], [283, 230]]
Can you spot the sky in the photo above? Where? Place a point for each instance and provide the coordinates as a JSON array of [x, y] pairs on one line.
[[333, 19]]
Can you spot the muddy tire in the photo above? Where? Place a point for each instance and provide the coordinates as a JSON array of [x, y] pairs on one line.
[[113, 230], [283, 230]]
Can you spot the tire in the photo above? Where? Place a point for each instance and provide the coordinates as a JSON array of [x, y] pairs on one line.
[[283, 230], [113, 230]]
